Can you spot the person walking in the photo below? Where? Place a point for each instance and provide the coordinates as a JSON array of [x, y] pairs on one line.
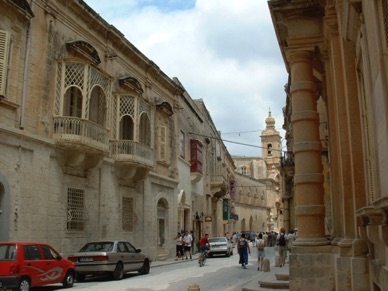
[[290, 239], [179, 246], [187, 240], [282, 243], [243, 250], [260, 246]]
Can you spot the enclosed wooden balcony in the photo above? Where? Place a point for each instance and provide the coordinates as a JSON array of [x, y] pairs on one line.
[[81, 134]]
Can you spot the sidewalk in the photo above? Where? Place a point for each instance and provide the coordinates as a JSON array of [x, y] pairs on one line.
[[252, 285]]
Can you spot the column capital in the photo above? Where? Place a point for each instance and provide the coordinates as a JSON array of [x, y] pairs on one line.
[[298, 55]]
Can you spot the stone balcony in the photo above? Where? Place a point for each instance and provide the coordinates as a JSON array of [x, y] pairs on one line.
[[80, 134], [81, 144], [133, 161], [218, 185]]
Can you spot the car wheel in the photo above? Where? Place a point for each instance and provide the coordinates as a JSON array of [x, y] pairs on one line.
[[80, 277], [118, 273], [145, 269], [24, 285], [68, 282], [231, 253], [227, 253]]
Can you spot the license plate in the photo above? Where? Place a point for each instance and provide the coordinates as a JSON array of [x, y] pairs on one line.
[[86, 259]]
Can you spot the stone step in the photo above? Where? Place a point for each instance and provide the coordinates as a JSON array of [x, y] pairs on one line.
[[282, 277], [275, 284]]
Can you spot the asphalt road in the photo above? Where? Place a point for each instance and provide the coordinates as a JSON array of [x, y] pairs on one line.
[[219, 273]]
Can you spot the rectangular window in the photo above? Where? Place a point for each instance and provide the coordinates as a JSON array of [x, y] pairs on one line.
[[162, 143], [4, 47], [127, 214], [182, 146], [75, 209]]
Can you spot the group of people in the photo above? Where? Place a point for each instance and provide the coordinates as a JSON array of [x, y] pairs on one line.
[[184, 245], [282, 239]]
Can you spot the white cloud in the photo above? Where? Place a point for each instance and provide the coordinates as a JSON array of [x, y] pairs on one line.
[[223, 51]]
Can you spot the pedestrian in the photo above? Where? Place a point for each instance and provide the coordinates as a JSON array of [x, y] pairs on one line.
[[193, 244], [179, 246], [260, 246], [243, 250], [290, 239], [187, 240], [282, 243]]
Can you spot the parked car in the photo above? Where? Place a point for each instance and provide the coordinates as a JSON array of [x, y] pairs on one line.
[[27, 264], [112, 257], [220, 245]]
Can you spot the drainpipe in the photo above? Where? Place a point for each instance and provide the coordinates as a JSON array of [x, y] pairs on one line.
[[25, 73]]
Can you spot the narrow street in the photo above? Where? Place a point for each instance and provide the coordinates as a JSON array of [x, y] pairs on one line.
[[219, 273]]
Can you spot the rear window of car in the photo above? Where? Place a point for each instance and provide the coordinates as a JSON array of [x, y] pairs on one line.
[[98, 247], [217, 239], [7, 252]]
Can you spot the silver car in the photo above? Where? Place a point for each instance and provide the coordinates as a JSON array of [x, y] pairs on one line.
[[112, 257], [220, 246]]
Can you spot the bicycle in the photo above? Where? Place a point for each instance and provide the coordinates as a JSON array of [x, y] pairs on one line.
[[202, 259]]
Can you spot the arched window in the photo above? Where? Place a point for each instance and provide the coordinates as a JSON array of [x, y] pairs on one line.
[[73, 102], [269, 147], [145, 130], [126, 128], [97, 107]]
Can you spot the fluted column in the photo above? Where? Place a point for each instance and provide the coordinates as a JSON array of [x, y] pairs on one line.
[[308, 179]]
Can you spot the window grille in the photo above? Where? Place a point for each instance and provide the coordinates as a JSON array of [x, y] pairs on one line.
[[75, 209], [127, 213]]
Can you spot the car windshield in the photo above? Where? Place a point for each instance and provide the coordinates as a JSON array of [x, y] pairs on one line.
[[217, 239], [98, 247], [8, 252]]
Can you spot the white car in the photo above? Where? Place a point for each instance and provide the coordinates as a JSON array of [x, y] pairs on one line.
[[114, 257], [220, 246]]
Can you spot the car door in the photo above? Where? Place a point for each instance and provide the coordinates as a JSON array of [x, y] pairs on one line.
[[125, 256], [136, 259], [34, 265], [54, 269]]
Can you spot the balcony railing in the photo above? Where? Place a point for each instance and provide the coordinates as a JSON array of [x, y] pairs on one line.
[[132, 152], [81, 132]]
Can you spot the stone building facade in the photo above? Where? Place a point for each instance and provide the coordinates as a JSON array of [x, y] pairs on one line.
[[206, 170], [88, 132], [259, 184], [96, 141], [335, 52]]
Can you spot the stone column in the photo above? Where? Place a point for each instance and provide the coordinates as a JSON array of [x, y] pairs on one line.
[[308, 179]]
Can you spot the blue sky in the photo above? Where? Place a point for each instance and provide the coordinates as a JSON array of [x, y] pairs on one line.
[[222, 51]]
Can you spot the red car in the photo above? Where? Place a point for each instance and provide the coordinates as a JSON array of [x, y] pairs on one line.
[[25, 264]]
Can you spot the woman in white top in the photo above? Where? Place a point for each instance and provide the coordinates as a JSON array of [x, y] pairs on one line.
[[179, 246], [260, 244]]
